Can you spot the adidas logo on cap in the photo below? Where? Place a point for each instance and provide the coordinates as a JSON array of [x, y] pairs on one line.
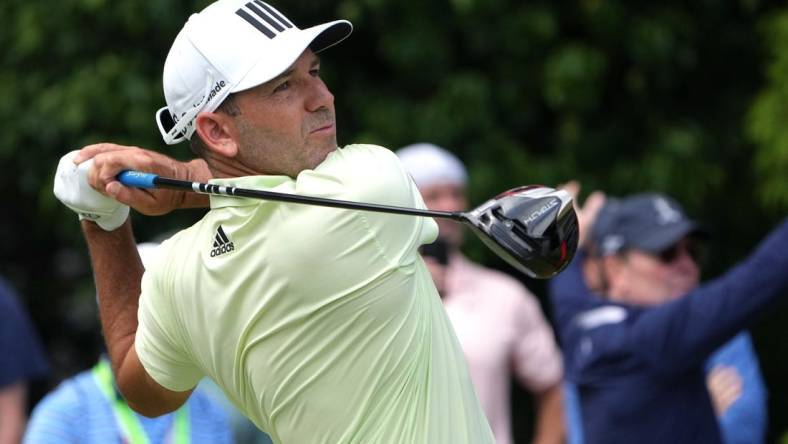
[[221, 243]]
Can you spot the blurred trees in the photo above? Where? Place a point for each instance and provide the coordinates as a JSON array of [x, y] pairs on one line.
[[687, 99], [766, 121]]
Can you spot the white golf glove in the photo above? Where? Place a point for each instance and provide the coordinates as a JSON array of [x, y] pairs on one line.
[[72, 188]]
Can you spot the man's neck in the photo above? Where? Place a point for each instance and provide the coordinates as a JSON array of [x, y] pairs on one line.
[[223, 167]]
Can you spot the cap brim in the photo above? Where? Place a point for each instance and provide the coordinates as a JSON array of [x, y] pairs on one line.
[[329, 34], [659, 240], [317, 38]]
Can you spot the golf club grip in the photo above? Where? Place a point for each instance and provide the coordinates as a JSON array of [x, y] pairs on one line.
[[136, 179], [139, 179]]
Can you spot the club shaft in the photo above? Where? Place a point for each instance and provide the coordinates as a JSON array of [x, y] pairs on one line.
[[146, 180]]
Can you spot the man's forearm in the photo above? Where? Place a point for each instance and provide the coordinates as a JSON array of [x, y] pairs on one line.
[[117, 271], [550, 417]]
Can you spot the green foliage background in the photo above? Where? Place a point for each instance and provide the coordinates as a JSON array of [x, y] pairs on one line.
[[687, 98]]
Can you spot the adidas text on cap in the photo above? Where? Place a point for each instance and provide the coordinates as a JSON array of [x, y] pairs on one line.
[[231, 46]]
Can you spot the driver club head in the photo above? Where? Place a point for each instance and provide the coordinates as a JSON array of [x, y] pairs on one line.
[[533, 228]]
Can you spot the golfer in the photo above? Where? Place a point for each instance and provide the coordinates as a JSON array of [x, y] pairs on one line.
[[322, 325]]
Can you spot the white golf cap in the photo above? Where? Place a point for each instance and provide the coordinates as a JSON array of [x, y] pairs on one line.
[[231, 46], [430, 165]]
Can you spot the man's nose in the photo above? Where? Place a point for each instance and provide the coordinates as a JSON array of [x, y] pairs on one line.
[[319, 96]]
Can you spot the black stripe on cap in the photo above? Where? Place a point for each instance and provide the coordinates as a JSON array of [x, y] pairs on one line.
[[260, 13], [260, 27]]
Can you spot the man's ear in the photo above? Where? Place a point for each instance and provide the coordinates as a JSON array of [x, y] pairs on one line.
[[218, 132]]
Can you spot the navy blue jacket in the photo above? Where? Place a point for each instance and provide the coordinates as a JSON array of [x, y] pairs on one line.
[[640, 370]]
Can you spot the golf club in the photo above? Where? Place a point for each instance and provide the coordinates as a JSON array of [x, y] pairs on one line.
[[533, 228]]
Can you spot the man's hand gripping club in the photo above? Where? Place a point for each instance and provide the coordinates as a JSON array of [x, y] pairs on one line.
[[86, 182]]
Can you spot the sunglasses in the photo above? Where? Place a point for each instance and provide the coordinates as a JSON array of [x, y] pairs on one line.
[[693, 247]]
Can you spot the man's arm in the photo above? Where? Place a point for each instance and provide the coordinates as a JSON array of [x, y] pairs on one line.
[[13, 406], [117, 271], [549, 416]]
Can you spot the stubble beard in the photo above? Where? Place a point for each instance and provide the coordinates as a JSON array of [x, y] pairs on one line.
[[273, 153], [319, 147]]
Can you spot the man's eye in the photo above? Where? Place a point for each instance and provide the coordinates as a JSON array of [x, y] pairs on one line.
[[315, 72], [282, 87]]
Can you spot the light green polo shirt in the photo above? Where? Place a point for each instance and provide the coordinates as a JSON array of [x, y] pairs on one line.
[[321, 324]]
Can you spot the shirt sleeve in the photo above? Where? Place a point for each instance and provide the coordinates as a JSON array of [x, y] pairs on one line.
[[385, 181], [22, 357], [373, 174], [537, 361], [159, 342]]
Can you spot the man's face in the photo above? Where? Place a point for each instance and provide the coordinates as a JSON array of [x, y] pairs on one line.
[[446, 197], [647, 279], [287, 125]]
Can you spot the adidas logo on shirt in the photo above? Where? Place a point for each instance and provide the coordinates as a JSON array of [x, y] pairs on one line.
[[221, 243]]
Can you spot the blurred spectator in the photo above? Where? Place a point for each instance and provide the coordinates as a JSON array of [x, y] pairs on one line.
[[88, 409], [499, 323], [735, 385], [636, 348], [21, 361], [733, 375]]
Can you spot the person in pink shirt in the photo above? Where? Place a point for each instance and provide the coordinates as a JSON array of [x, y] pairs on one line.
[[498, 322]]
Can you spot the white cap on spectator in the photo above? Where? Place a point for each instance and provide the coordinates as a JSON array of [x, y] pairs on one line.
[[430, 165]]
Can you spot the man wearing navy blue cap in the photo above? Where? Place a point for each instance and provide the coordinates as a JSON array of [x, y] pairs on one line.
[[631, 232], [637, 354]]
